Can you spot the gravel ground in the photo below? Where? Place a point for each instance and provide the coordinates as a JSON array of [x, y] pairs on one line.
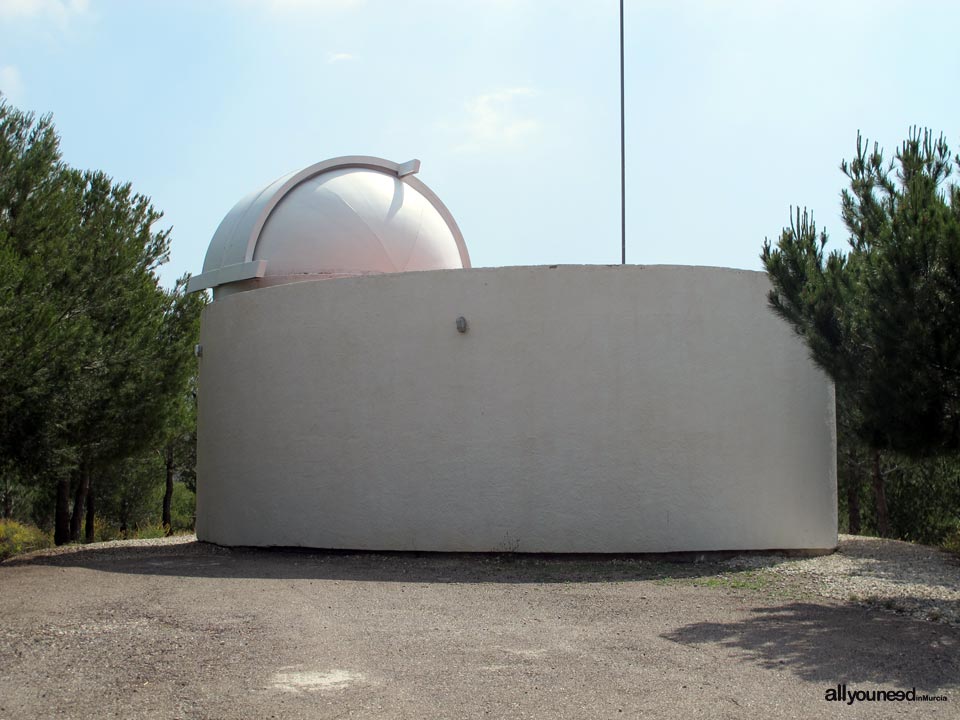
[[180, 629], [916, 580]]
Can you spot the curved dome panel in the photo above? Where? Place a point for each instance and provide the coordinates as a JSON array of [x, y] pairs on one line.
[[347, 216], [355, 220]]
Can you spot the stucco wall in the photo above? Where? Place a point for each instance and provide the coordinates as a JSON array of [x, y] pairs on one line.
[[587, 409]]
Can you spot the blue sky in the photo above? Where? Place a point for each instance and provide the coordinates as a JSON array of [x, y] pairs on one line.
[[735, 110]]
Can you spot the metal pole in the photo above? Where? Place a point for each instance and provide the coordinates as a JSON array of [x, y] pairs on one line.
[[623, 158]]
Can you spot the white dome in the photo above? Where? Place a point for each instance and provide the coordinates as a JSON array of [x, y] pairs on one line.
[[346, 216], [356, 220]]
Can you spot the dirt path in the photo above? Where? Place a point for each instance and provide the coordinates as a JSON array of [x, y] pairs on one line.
[[189, 630]]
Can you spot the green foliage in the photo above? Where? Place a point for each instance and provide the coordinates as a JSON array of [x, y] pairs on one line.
[[130, 491], [16, 538], [43, 334], [183, 508], [906, 234], [106, 530], [17, 497], [148, 532], [924, 498], [951, 543], [813, 293], [181, 433], [95, 356], [883, 321]]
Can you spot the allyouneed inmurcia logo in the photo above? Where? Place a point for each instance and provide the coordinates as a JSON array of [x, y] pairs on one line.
[[841, 693]]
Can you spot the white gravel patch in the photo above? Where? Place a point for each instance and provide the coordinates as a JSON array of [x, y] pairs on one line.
[[297, 681], [915, 580]]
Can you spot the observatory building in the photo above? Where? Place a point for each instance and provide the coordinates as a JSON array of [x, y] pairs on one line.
[[361, 387]]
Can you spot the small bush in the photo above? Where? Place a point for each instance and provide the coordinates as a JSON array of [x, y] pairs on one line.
[[951, 542], [148, 532], [104, 531], [16, 538]]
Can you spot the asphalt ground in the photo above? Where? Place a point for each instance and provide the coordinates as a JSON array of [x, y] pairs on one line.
[[190, 630]]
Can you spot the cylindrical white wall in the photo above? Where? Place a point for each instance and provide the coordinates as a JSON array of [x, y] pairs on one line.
[[587, 409]]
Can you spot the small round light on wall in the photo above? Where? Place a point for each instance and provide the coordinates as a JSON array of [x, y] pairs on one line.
[[461, 324]]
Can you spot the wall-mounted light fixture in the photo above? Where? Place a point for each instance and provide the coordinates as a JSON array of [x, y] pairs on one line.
[[461, 324]]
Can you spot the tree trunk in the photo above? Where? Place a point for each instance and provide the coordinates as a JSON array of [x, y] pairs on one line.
[[880, 497], [79, 499], [853, 499], [123, 519], [61, 532], [91, 514], [7, 498], [168, 492]]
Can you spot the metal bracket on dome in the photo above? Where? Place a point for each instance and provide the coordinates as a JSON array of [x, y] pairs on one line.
[[228, 274], [230, 255], [410, 167]]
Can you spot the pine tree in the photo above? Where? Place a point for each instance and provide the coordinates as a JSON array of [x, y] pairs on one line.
[[94, 352], [883, 319]]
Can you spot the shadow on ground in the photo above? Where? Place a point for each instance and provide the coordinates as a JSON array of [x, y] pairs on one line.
[[199, 559], [833, 644]]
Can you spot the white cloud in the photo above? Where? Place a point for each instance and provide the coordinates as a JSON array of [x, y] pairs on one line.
[[495, 122], [10, 84], [58, 11], [339, 57]]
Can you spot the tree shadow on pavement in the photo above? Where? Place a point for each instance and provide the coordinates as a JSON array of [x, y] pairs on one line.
[[833, 644]]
